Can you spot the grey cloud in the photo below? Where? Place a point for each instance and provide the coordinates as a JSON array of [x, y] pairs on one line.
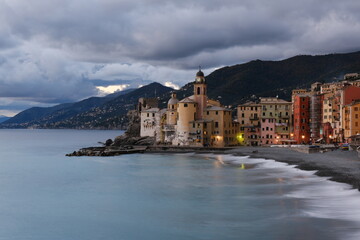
[[109, 31], [59, 50]]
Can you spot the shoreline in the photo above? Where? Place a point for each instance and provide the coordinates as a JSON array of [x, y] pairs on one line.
[[340, 166]]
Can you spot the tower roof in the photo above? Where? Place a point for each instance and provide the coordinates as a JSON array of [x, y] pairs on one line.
[[200, 78], [200, 73]]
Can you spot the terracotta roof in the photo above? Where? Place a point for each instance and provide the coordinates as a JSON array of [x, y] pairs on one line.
[[187, 100]]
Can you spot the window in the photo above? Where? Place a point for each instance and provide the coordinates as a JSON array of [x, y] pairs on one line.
[[216, 124], [243, 115], [216, 112], [198, 90], [356, 116], [153, 114], [148, 115], [207, 112], [185, 105]]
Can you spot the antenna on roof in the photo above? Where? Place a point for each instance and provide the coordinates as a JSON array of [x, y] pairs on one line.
[[199, 68]]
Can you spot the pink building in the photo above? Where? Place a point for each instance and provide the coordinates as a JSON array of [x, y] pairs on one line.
[[268, 131]]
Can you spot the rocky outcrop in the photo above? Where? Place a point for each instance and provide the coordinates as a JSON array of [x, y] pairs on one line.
[[107, 151], [133, 129], [125, 140]]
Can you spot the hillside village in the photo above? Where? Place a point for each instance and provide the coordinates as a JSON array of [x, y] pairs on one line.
[[326, 113]]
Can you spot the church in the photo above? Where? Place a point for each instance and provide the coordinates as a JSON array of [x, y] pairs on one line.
[[193, 121]]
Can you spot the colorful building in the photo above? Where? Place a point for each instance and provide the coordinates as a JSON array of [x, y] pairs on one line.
[[302, 119], [248, 116], [280, 111], [351, 119]]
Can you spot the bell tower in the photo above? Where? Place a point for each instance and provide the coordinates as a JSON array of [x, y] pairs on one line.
[[200, 94]]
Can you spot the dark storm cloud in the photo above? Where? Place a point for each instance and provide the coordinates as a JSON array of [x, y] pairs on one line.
[[60, 49]]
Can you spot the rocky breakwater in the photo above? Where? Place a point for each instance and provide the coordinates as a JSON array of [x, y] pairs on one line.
[[121, 145], [130, 142]]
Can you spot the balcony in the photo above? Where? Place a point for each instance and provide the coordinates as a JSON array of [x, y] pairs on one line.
[[254, 118]]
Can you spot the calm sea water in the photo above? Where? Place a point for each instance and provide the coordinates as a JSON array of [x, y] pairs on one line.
[[45, 195]]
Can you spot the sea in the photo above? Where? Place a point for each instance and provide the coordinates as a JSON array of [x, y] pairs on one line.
[[45, 195]]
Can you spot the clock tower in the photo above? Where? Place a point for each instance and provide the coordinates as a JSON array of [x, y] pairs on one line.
[[200, 94]]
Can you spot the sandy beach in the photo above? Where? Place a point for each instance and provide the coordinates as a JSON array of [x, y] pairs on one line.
[[340, 166]]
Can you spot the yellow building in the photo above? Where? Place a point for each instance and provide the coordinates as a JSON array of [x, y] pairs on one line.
[[351, 119], [186, 113], [279, 111], [248, 116]]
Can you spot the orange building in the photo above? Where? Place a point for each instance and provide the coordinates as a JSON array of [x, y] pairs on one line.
[[351, 119]]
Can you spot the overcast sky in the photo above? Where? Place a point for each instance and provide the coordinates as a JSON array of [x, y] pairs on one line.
[[55, 51]]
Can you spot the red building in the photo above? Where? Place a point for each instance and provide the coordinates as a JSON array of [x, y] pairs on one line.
[[350, 94], [302, 119]]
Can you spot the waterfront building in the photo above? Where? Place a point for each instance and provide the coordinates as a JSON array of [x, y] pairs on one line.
[[265, 123], [248, 116], [302, 119], [330, 118], [149, 120], [278, 112], [351, 119], [193, 121]]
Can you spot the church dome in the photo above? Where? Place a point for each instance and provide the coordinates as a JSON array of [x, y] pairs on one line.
[[200, 74], [173, 101]]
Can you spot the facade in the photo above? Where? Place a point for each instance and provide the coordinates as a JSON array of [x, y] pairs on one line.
[[149, 120], [351, 119], [302, 119], [248, 116], [265, 123], [281, 112], [268, 131]]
